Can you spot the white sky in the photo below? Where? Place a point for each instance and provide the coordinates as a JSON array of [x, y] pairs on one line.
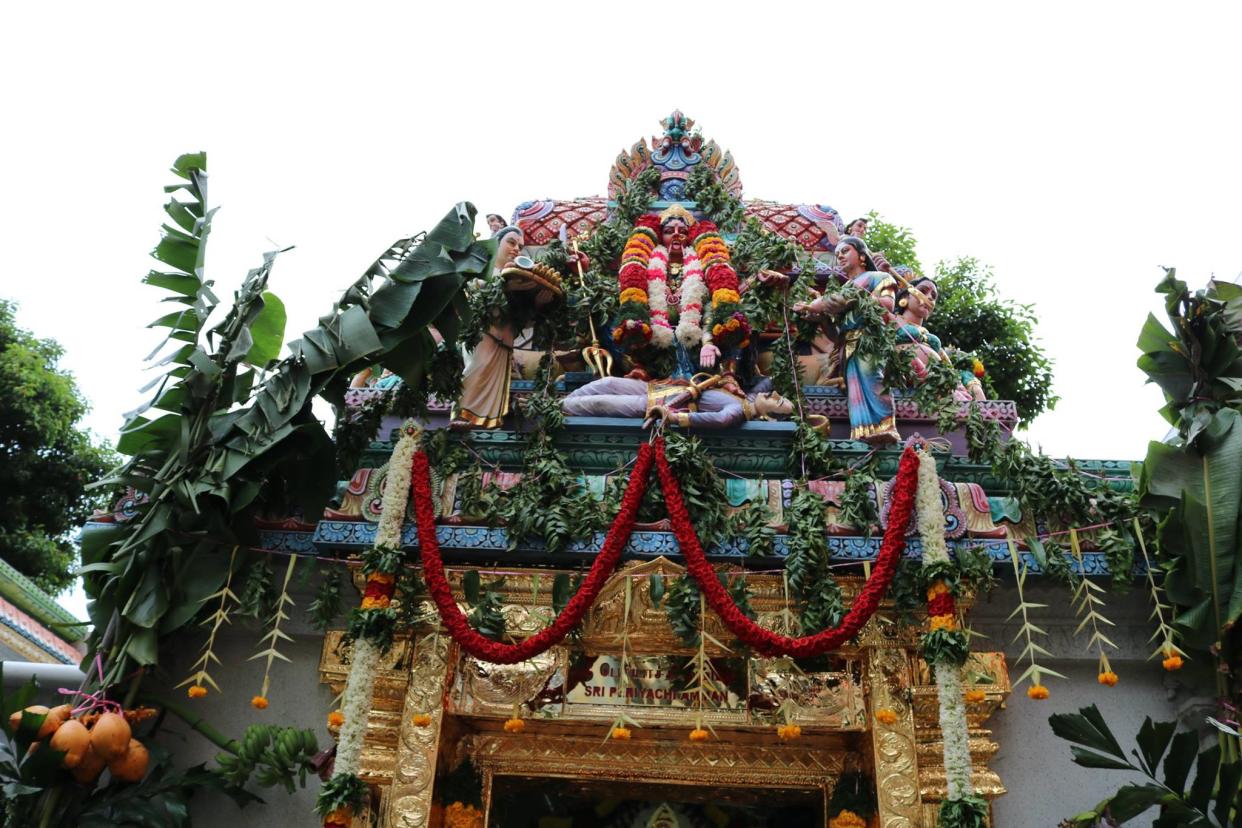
[[1074, 147]]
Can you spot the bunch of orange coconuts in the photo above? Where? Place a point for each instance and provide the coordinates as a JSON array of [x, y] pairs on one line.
[[90, 743]]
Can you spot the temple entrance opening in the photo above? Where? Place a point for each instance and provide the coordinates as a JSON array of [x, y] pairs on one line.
[[548, 802]]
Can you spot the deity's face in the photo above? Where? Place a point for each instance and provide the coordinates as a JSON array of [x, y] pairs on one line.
[[849, 259], [673, 235], [922, 299], [772, 404], [510, 246]]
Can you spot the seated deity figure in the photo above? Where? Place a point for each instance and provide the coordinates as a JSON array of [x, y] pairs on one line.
[[870, 404], [678, 297], [915, 303], [485, 382], [701, 405]]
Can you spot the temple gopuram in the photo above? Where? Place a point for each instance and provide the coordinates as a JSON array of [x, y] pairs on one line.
[[659, 509]]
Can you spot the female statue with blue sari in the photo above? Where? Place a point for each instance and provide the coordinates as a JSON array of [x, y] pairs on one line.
[[870, 402]]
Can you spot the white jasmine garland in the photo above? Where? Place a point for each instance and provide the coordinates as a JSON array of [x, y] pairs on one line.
[[930, 511], [657, 298], [953, 726], [693, 295], [954, 731], [356, 700], [396, 490], [355, 705]]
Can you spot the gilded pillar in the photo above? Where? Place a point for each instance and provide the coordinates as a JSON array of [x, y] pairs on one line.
[[408, 800], [894, 747]]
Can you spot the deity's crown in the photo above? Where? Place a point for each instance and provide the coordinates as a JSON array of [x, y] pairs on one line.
[[676, 211]]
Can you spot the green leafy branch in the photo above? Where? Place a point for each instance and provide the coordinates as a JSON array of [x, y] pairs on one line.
[[276, 634], [230, 433], [486, 603], [1032, 651], [1087, 604], [1211, 800], [200, 675]]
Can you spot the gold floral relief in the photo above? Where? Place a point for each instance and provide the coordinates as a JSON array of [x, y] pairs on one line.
[[894, 749], [483, 689], [408, 800]]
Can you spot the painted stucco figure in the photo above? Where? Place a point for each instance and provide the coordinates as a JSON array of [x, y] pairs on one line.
[[705, 404], [870, 403]]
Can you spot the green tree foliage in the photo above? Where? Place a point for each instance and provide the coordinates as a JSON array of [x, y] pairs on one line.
[[46, 461], [971, 317], [897, 243]]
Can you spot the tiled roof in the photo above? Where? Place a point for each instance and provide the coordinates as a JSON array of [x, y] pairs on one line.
[[37, 634], [22, 592]]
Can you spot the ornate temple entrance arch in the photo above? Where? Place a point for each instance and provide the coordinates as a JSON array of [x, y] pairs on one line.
[[434, 706]]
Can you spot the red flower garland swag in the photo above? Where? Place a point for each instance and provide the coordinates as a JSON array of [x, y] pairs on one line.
[[482, 647], [767, 642], [763, 641]]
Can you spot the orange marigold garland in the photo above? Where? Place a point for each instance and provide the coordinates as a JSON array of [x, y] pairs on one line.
[[728, 326], [634, 320]]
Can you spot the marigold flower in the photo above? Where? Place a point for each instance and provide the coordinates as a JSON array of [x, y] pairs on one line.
[[1037, 692], [259, 703], [515, 725], [788, 732], [196, 692], [976, 368], [847, 819], [725, 295], [1108, 677], [376, 602], [1172, 662], [885, 716], [381, 578], [341, 817], [938, 588], [336, 718], [942, 622], [634, 295], [421, 719], [460, 815], [621, 734], [975, 696], [698, 735]]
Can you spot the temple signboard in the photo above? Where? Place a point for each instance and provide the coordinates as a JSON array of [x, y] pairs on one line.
[[652, 681]]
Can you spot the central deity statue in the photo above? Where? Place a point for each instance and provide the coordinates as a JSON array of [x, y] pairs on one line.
[[679, 294]]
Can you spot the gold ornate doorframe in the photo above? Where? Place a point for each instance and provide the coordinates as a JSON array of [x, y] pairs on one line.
[[425, 674], [667, 762]]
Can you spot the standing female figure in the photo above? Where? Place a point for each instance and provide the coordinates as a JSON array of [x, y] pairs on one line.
[[871, 404], [485, 382]]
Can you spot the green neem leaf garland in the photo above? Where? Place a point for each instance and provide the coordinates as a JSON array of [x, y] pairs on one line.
[[808, 565]]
